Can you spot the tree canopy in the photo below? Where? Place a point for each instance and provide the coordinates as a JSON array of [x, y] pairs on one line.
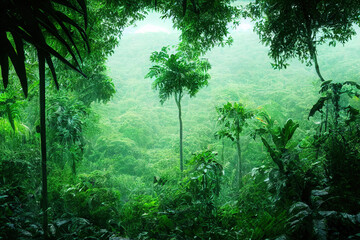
[[294, 28], [109, 171], [176, 74]]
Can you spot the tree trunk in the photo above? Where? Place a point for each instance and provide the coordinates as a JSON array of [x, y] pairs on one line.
[[313, 54], [178, 103], [317, 68], [43, 143], [310, 42], [239, 165]]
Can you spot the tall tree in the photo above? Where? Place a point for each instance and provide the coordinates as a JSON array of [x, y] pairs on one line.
[[232, 118], [294, 28], [176, 74], [56, 30], [37, 24]]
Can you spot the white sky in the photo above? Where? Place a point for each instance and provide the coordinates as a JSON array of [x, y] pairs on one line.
[[152, 28], [153, 24]]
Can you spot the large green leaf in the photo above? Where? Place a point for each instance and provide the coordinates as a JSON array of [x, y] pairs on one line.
[[289, 130], [28, 21]]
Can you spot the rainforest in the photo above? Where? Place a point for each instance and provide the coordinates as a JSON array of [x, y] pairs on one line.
[[180, 119]]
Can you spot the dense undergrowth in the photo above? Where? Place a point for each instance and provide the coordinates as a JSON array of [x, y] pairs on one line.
[[113, 169]]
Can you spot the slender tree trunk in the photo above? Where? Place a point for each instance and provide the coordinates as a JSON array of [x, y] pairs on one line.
[[313, 54], [239, 165], [43, 143], [178, 103], [310, 42], [317, 68]]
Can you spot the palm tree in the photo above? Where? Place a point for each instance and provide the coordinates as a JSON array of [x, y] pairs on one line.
[[175, 75], [38, 24]]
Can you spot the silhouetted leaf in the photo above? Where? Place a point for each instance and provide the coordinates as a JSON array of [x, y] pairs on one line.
[[23, 20], [4, 63], [51, 28], [52, 69], [61, 17], [19, 65], [318, 106]]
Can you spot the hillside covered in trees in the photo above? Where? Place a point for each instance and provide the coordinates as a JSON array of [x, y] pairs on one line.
[[190, 119]]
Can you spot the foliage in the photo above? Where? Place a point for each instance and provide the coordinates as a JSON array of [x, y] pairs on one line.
[[204, 24], [294, 28], [66, 122], [334, 92], [293, 178], [138, 215], [232, 118], [77, 228], [316, 221], [27, 21], [19, 193], [9, 106], [338, 139], [204, 178], [177, 73], [92, 200], [280, 136], [256, 217], [185, 211], [304, 177]]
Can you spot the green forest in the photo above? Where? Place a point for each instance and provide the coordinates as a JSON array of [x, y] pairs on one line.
[[180, 119]]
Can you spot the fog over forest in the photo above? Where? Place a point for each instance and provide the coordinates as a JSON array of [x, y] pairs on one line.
[[142, 120]]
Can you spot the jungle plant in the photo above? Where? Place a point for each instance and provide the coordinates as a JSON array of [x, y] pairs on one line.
[[339, 139], [208, 21], [12, 130], [204, 177], [317, 221], [9, 106], [66, 121], [19, 184], [286, 182], [27, 21], [182, 210], [336, 94], [193, 209], [232, 119], [280, 136], [92, 198], [177, 73], [139, 215]]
